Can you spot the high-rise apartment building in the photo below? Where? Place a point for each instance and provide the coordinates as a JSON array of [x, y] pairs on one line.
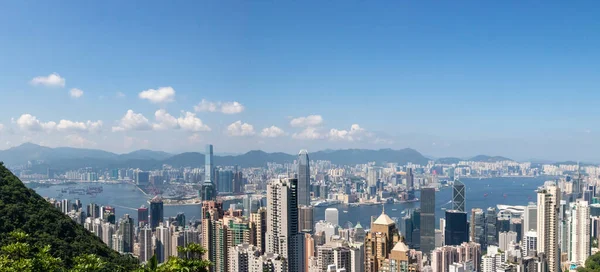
[[303, 178], [491, 231], [259, 225], [580, 232], [530, 218], [306, 219], [146, 244], [142, 215], [427, 220], [163, 242], [126, 230], [283, 236], [547, 220]]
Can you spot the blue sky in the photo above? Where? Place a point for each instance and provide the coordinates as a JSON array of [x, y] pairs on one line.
[[455, 78]]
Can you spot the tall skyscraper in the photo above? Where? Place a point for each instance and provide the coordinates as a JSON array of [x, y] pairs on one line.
[[156, 212], [283, 237], [225, 181], [427, 220], [142, 215], [126, 230], [379, 242], [146, 247], [456, 230], [332, 216], [306, 219], [478, 227], [163, 243], [530, 218], [547, 220], [303, 178], [491, 229], [259, 224], [458, 196], [208, 164], [580, 232]]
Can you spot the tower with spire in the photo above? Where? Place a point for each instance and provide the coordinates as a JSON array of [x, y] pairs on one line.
[[380, 241]]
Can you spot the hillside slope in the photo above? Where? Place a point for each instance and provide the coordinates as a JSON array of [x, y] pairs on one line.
[[22, 208]]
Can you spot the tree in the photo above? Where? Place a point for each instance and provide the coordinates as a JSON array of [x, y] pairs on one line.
[[19, 256], [191, 261]]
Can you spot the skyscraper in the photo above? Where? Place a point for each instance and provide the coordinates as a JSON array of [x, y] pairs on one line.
[[427, 220], [379, 242], [156, 212], [458, 196], [163, 243], [491, 230], [478, 227], [580, 232], [283, 237], [547, 221], [303, 178], [306, 219], [456, 231], [530, 218], [332, 216], [208, 164], [225, 183], [145, 240], [142, 215], [126, 231]]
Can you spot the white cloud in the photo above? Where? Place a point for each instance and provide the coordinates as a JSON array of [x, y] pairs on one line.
[[232, 107], [162, 95], [308, 121], [52, 80], [78, 141], [309, 133], [194, 138], [132, 121], [354, 134], [76, 93], [165, 120], [31, 123], [190, 122], [272, 132], [240, 129], [89, 126], [223, 107], [120, 95], [129, 142], [1, 127]]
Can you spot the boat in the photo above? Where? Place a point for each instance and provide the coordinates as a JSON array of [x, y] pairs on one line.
[[485, 195], [394, 209], [403, 212], [345, 211]]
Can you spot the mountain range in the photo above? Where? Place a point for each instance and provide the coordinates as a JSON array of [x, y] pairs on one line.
[[67, 158]]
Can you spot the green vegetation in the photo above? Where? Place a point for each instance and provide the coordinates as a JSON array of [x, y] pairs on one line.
[[592, 264], [35, 236]]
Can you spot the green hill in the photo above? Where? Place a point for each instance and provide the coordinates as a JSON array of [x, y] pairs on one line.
[[23, 209]]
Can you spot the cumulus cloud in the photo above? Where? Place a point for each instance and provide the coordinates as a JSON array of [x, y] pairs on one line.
[[78, 141], [309, 133], [161, 95], [164, 120], [240, 129], [76, 93], [132, 121], [190, 122], [308, 121], [29, 122], [272, 132], [89, 126], [223, 107], [52, 80], [354, 134]]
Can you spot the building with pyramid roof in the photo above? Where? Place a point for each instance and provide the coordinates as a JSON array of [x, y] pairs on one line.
[[380, 241]]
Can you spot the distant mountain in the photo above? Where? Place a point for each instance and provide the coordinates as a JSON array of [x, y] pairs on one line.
[[485, 158], [63, 159], [448, 160]]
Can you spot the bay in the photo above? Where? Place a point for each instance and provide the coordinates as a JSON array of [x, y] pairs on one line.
[[480, 193]]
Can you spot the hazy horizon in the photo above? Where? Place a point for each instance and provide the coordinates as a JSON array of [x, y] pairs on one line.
[[512, 79]]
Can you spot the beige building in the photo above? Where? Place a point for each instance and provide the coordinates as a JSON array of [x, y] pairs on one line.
[[379, 242]]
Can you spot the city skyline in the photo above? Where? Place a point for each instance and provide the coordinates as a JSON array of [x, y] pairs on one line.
[[393, 76]]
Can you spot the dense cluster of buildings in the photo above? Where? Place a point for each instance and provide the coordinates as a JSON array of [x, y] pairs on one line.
[[276, 231]]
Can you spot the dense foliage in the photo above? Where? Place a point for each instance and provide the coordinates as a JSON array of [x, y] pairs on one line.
[[46, 227], [592, 264]]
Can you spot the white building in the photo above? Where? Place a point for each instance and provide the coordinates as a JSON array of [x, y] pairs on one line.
[[332, 216], [529, 243], [580, 232], [240, 257], [146, 244], [506, 238], [163, 243], [547, 220]]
